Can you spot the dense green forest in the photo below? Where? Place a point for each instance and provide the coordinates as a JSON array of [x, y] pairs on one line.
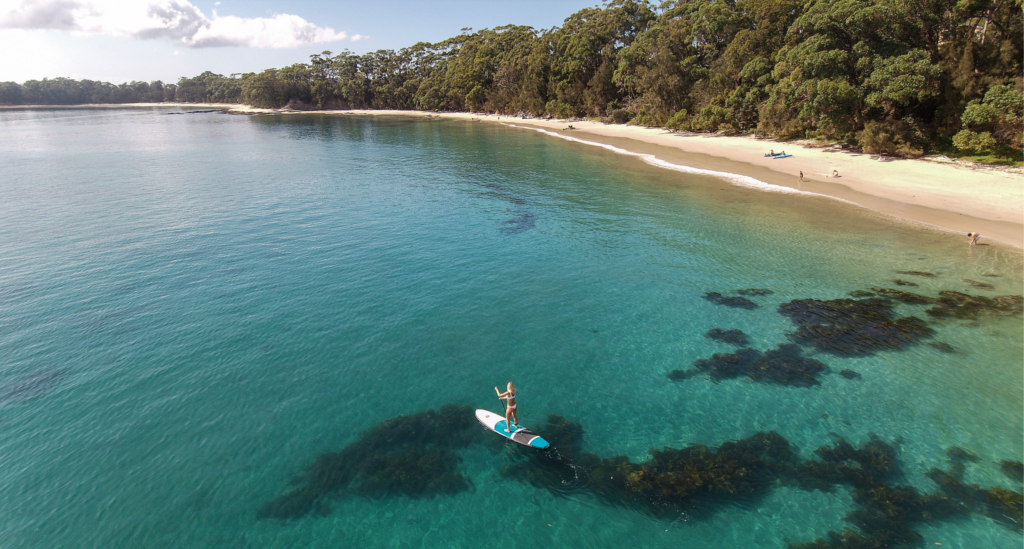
[[892, 76]]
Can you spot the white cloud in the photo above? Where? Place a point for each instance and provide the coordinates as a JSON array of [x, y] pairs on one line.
[[178, 20]]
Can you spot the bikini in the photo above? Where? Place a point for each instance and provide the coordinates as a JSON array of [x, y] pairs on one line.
[[509, 399]]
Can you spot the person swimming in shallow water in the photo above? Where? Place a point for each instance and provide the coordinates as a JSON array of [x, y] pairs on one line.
[[510, 410]]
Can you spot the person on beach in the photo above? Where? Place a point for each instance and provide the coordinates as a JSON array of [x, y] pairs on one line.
[[801, 176], [511, 415], [835, 173], [974, 238]]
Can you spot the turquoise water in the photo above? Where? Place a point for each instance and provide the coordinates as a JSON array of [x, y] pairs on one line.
[[193, 308]]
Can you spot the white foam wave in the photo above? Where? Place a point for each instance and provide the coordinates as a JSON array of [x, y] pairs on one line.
[[734, 178]]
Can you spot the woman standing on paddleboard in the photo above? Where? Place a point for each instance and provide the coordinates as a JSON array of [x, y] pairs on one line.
[[510, 410]]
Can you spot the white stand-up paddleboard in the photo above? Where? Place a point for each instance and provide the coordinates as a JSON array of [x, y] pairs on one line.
[[523, 436]]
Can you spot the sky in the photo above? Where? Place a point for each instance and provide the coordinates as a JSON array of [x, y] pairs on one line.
[[123, 40]]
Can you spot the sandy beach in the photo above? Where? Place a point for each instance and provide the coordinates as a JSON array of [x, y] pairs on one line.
[[944, 194], [935, 191]]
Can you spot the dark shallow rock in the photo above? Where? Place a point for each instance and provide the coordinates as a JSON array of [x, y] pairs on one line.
[[734, 337], [730, 301], [849, 374], [901, 282], [853, 327], [861, 293]]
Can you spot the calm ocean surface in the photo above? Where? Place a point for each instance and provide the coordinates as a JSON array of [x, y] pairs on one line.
[[193, 308]]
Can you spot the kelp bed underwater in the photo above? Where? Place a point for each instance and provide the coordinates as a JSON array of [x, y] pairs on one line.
[[860, 325], [401, 456], [404, 456]]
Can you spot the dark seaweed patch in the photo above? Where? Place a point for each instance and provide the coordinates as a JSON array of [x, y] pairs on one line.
[[1001, 505], [682, 375], [852, 327], [782, 366], [861, 293], [885, 514], [962, 306], [755, 291], [980, 285], [901, 282], [730, 301], [734, 337], [942, 346], [849, 374], [407, 455], [520, 222], [905, 297], [1012, 469], [696, 481], [33, 386], [558, 469], [916, 273]]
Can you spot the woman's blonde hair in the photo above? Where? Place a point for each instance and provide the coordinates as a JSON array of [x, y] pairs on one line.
[[511, 387]]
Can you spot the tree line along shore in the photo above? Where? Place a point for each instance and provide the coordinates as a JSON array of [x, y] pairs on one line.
[[897, 77]]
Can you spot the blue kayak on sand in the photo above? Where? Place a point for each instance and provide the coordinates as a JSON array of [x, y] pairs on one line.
[[781, 156], [520, 435]]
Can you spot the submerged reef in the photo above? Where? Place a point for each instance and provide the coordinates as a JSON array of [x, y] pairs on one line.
[[782, 366], [852, 327], [861, 293], [901, 282], [735, 337], [407, 455], [730, 301], [849, 374]]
